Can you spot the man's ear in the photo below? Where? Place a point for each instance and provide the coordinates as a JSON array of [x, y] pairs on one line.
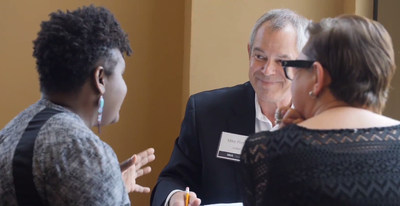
[[99, 79], [322, 78]]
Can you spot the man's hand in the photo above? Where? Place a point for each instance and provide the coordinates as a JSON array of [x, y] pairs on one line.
[[132, 169], [178, 199]]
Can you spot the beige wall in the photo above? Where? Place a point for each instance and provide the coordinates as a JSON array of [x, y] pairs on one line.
[[364, 8], [388, 15]]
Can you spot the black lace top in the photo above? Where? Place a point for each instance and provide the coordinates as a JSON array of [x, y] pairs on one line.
[[299, 166]]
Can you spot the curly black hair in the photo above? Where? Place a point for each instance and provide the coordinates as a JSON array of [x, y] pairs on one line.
[[72, 44]]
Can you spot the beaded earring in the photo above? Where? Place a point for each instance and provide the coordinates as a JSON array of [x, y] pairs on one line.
[[278, 116], [100, 112]]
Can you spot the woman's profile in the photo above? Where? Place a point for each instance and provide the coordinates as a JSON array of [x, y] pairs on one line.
[[49, 154]]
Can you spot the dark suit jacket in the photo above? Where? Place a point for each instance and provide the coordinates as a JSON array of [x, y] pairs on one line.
[[193, 161]]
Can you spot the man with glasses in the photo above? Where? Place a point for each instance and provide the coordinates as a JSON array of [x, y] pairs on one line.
[[216, 123]]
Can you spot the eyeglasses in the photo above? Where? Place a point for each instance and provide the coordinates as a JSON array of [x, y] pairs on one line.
[[289, 66]]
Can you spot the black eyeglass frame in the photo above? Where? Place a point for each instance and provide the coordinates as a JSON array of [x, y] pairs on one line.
[[296, 64]]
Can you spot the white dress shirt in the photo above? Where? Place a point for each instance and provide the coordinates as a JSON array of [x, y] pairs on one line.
[[262, 123]]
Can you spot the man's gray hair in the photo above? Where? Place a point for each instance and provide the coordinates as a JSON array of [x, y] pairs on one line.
[[279, 19]]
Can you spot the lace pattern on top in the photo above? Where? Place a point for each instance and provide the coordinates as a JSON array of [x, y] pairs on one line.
[[300, 166]]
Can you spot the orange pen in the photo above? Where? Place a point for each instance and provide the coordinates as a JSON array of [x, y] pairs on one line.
[[187, 196]]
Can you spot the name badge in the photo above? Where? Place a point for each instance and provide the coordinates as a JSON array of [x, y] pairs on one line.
[[230, 146]]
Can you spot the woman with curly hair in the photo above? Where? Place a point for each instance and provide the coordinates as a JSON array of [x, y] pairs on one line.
[[48, 153]]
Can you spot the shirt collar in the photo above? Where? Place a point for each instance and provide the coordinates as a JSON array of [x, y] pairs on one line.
[[262, 122]]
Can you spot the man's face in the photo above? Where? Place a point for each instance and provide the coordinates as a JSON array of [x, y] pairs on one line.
[[266, 73]]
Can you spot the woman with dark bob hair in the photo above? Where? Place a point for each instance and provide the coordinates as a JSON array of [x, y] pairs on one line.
[[339, 149], [49, 154]]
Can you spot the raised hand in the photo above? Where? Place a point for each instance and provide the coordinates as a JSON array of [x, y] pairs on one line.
[[132, 169]]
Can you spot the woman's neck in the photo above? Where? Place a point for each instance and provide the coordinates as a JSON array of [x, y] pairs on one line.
[[78, 103], [330, 106], [345, 117]]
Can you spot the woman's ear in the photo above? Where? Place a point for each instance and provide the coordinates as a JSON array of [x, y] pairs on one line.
[[99, 79], [322, 78]]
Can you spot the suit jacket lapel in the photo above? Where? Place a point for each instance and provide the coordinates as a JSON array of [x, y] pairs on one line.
[[242, 120]]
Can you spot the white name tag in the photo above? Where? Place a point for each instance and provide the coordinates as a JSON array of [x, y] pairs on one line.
[[230, 146]]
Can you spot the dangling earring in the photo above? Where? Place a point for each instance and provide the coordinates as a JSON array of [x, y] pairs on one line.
[[100, 112]]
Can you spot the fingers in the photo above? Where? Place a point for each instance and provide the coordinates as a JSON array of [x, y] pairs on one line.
[[141, 189], [145, 160], [143, 171], [127, 163], [193, 198], [287, 115], [194, 201], [291, 117], [145, 157], [178, 199], [291, 114], [146, 152], [139, 159], [297, 121], [131, 170]]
